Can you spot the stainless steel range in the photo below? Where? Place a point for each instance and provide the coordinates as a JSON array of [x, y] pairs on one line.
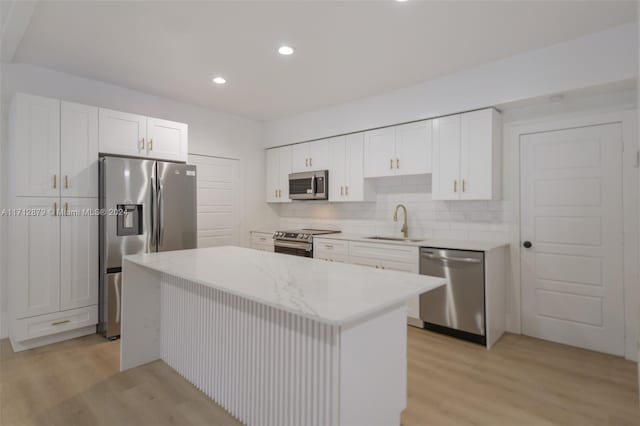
[[298, 242]]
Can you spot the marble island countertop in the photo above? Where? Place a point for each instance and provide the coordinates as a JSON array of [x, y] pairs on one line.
[[333, 293]]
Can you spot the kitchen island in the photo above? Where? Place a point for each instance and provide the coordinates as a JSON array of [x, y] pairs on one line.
[[274, 339]]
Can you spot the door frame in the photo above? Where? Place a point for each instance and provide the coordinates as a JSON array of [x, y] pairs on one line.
[[630, 163]]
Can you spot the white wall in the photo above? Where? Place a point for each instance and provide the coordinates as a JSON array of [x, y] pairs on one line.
[[598, 59], [210, 133]]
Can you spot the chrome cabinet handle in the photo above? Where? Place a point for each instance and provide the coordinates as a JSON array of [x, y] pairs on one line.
[[454, 259]]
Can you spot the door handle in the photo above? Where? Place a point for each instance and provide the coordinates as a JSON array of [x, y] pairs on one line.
[[55, 181], [454, 259], [160, 215], [390, 163], [60, 322], [306, 162], [313, 184], [397, 163], [455, 186], [66, 181], [142, 145], [463, 185], [310, 162], [66, 209], [527, 244], [342, 190], [346, 190], [55, 209], [150, 144]]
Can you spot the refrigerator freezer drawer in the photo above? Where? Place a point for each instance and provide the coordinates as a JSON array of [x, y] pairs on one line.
[[111, 305]]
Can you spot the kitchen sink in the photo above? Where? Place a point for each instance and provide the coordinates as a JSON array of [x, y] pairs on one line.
[[407, 240]]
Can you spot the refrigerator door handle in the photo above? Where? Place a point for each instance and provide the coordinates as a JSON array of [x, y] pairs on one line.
[[153, 238], [160, 217]]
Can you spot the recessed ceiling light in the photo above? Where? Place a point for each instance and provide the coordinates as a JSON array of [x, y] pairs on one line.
[[219, 80], [285, 50]]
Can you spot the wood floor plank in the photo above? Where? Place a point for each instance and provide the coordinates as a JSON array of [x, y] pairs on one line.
[[521, 381]]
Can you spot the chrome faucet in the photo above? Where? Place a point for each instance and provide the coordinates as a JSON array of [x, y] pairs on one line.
[[405, 228]]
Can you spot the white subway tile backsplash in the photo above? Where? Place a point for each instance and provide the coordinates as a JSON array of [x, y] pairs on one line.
[[466, 220]]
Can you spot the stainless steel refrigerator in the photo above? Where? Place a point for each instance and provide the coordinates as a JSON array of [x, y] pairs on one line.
[[147, 206]]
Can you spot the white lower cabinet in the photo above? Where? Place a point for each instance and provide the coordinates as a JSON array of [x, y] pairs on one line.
[[53, 270], [78, 254], [262, 240], [376, 255]]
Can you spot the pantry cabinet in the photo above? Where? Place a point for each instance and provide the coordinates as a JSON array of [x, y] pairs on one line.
[[346, 169], [399, 150], [79, 150], [34, 257], [35, 126], [467, 151], [78, 253], [310, 156], [122, 133], [278, 168]]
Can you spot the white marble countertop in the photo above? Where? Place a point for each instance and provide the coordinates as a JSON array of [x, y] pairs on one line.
[[432, 242], [333, 293]]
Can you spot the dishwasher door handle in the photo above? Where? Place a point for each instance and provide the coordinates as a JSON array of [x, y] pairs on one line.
[[454, 259]]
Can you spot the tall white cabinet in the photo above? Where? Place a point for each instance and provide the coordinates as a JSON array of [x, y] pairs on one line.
[[277, 174], [53, 256], [346, 169]]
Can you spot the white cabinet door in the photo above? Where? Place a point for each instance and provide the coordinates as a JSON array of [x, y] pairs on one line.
[[476, 155], [364, 261], [272, 175], [36, 144], [167, 140], [78, 254], [122, 133], [35, 258], [354, 171], [338, 168], [413, 148], [284, 156], [413, 304], [446, 183], [79, 150], [300, 157], [379, 152], [319, 155]]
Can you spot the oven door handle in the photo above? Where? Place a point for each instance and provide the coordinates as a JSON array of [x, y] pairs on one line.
[[313, 184], [304, 246]]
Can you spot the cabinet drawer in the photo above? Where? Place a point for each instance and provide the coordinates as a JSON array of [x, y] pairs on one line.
[[331, 247], [261, 238], [44, 325], [390, 252], [331, 257]]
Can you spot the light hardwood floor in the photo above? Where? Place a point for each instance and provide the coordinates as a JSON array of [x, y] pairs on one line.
[[522, 381]]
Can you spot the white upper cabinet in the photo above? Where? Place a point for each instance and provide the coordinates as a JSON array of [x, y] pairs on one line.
[[467, 163], [167, 140], [379, 152], [399, 150], [310, 156], [278, 168], [78, 254], [35, 135], [414, 143], [346, 168], [123, 133], [35, 258], [79, 150]]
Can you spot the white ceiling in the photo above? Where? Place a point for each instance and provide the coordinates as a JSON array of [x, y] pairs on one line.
[[344, 50]]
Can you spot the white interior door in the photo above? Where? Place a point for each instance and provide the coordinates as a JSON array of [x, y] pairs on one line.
[[78, 254], [571, 214], [79, 150], [218, 206]]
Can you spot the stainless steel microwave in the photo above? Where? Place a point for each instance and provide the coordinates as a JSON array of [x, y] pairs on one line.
[[309, 185]]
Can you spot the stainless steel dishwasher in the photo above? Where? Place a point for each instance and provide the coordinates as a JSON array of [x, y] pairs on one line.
[[458, 308]]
